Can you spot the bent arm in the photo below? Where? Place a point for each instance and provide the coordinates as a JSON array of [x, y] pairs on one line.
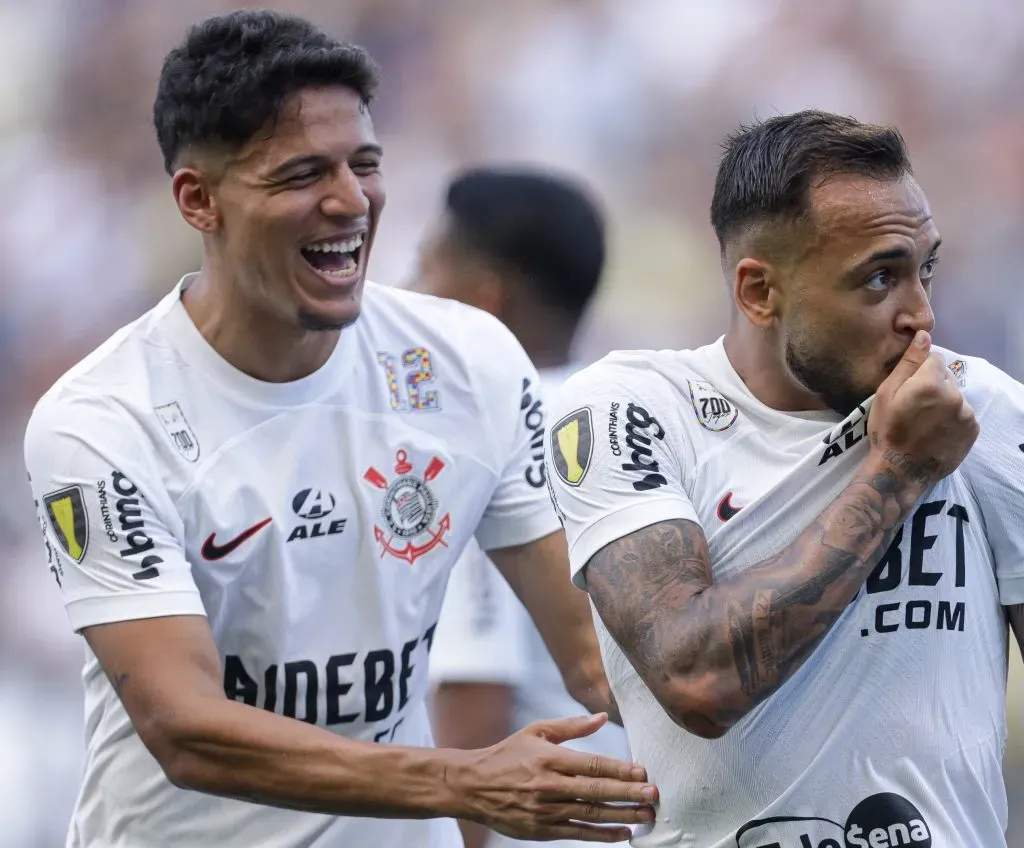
[[710, 652], [167, 673]]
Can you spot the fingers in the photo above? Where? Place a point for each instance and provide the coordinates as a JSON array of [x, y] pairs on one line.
[[601, 790], [600, 813], [914, 357], [559, 730], [582, 832], [569, 762]]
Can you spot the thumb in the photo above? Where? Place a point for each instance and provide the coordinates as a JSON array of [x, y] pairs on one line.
[[559, 730], [916, 355]]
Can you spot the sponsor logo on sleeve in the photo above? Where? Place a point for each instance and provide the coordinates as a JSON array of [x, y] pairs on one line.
[[533, 418], [138, 545], [642, 429], [69, 519], [713, 411], [572, 446]]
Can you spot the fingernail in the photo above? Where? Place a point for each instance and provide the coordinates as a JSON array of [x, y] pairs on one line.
[[648, 815], [638, 773], [921, 339], [648, 793]]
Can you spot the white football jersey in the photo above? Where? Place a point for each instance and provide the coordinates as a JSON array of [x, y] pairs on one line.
[[485, 635], [313, 522], [892, 733]]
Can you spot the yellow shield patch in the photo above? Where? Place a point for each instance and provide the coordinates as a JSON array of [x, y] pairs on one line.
[[572, 445], [66, 511]]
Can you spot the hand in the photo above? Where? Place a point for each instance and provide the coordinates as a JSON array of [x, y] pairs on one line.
[[920, 424], [529, 787]]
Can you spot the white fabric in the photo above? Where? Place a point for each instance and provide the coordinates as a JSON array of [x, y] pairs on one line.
[[357, 492], [905, 695], [485, 635]]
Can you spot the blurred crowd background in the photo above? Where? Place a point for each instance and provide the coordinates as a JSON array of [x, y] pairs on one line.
[[632, 95]]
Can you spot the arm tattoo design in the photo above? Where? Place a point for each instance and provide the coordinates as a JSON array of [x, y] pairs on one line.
[[711, 651]]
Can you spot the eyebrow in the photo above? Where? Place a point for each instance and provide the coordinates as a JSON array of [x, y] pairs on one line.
[[893, 254], [316, 159]]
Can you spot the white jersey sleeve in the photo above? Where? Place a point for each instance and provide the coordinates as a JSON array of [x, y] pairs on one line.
[[480, 635], [615, 458], [519, 510], [109, 526], [995, 468]]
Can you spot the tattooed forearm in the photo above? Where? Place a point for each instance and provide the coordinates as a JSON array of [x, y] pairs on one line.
[[712, 651]]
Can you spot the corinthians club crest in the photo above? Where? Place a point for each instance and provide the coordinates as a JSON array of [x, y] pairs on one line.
[[408, 510]]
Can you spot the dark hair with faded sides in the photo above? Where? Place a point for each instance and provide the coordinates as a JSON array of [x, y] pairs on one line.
[[768, 167], [232, 75], [543, 226]]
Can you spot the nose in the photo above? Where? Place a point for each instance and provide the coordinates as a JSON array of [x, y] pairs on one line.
[[345, 197], [915, 310]]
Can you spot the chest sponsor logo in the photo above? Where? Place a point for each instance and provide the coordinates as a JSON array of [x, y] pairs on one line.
[[572, 446], [66, 511], [713, 411], [181, 434], [885, 820], [409, 510], [533, 419], [642, 429], [357, 686], [314, 506], [851, 433]]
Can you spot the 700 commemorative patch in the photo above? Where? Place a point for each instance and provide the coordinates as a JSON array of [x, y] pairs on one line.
[[713, 411]]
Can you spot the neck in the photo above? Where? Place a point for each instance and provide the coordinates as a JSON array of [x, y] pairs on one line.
[[757, 358], [253, 340]]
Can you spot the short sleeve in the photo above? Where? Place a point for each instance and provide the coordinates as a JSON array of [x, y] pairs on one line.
[[995, 469], [480, 636], [519, 510], [614, 458], [109, 527]]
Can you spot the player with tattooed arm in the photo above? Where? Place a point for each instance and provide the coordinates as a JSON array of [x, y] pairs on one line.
[[805, 542]]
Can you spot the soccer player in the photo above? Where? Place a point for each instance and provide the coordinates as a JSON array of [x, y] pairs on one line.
[[804, 607], [528, 246], [258, 488]]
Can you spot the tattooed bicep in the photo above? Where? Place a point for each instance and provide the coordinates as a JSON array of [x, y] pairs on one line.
[[653, 569]]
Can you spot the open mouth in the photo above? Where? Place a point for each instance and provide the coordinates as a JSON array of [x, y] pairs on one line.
[[337, 261]]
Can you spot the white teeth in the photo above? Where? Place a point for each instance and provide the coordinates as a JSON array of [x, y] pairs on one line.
[[346, 246]]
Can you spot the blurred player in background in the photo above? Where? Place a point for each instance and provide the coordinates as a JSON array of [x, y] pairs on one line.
[[803, 605], [527, 246], [252, 497]]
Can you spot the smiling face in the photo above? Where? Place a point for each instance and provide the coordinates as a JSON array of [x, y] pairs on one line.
[[293, 214], [860, 289]]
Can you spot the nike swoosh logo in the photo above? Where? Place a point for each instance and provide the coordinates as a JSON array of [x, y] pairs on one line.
[[725, 508], [211, 550]]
